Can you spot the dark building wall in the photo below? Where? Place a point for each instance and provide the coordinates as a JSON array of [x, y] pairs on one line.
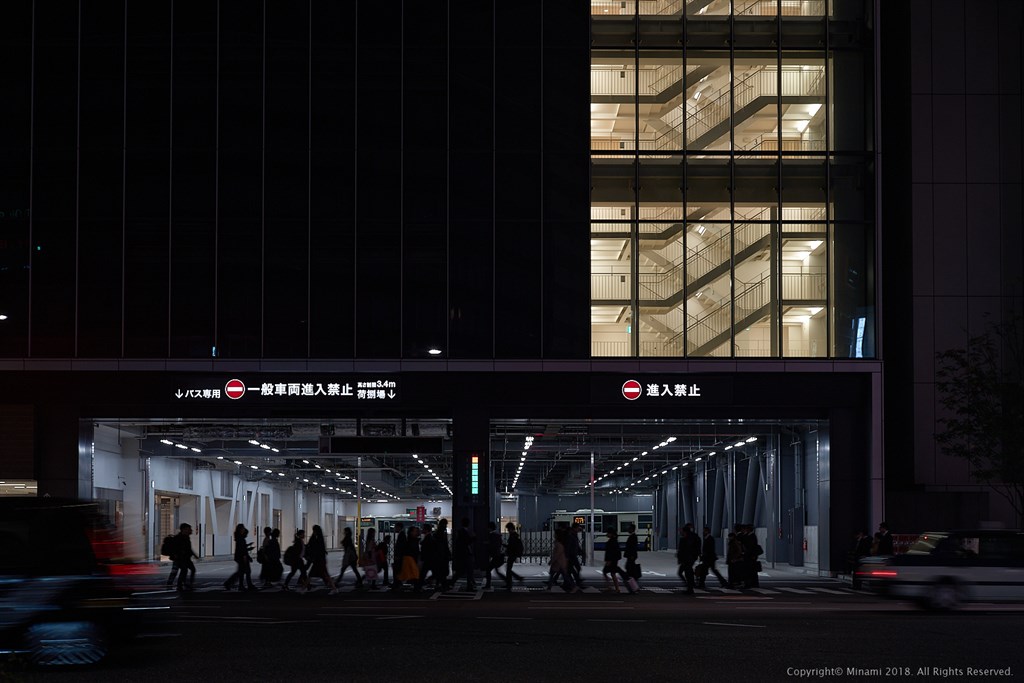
[[953, 214], [303, 180]]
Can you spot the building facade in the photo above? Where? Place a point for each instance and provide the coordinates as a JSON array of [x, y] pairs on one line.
[[286, 264]]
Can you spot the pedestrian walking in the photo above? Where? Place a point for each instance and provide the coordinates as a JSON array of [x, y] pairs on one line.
[[885, 541], [272, 567], [631, 553], [349, 558], [573, 553], [513, 551], [182, 557], [495, 557], [612, 555], [441, 555], [316, 553], [382, 559], [734, 558], [427, 554], [400, 539], [558, 567], [708, 556], [411, 560], [687, 552], [368, 559], [463, 554], [295, 558], [243, 574], [752, 550], [261, 557]]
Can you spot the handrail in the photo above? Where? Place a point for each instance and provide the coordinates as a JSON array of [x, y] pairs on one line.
[[715, 108], [787, 8]]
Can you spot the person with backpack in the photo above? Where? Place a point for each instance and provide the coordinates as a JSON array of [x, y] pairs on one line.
[[181, 554], [513, 551], [294, 557], [495, 558]]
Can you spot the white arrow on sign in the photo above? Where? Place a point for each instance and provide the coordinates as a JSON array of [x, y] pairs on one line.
[[391, 394], [179, 394]]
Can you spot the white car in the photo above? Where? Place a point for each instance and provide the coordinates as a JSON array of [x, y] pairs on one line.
[[943, 569]]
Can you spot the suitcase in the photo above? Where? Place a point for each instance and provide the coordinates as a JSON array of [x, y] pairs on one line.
[[633, 585]]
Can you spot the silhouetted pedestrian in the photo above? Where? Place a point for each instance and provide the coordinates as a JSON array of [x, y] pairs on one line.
[[495, 558], [687, 552], [183, 554], [316, 553], [463, 554], [243, 574], [349, 558], [513, 551], [295, 557], [708, 556], [612, 555]]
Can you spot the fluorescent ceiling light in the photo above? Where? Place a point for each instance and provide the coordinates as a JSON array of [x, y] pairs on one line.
[[434, 352]]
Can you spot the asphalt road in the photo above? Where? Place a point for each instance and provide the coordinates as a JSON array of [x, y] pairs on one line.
[[822, 630]]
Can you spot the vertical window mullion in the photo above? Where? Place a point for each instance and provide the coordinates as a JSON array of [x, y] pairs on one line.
[[635, 223]]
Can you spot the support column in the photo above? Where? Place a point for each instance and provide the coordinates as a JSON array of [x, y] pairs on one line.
[[63, 455], [472, 497]]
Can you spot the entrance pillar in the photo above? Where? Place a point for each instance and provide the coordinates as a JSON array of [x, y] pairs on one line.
[[63, 453], [473, 491]]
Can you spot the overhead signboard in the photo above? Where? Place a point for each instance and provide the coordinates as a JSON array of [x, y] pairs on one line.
[[362, 389], [661, 390]]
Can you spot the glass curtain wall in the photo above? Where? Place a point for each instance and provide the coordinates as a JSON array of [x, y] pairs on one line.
[[712, 223]]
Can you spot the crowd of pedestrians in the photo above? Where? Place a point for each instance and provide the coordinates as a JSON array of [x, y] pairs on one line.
[[429, 557]]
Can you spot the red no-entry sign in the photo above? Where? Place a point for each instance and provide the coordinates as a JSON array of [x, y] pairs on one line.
[[632, 389], [234, 388]]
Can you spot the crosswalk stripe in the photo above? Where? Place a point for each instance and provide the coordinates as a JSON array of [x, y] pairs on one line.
[[765, 591], [799, 591], [830, 591]]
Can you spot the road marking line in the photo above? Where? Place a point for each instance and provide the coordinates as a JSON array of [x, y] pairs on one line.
[[828, 590], [726, 599], [585, 609], [765, 591], [371, 606], [580, 602], [799, 591], [720, 623]]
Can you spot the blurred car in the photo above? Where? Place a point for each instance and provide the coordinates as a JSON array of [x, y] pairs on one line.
[[65, 596], [943, 569]]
